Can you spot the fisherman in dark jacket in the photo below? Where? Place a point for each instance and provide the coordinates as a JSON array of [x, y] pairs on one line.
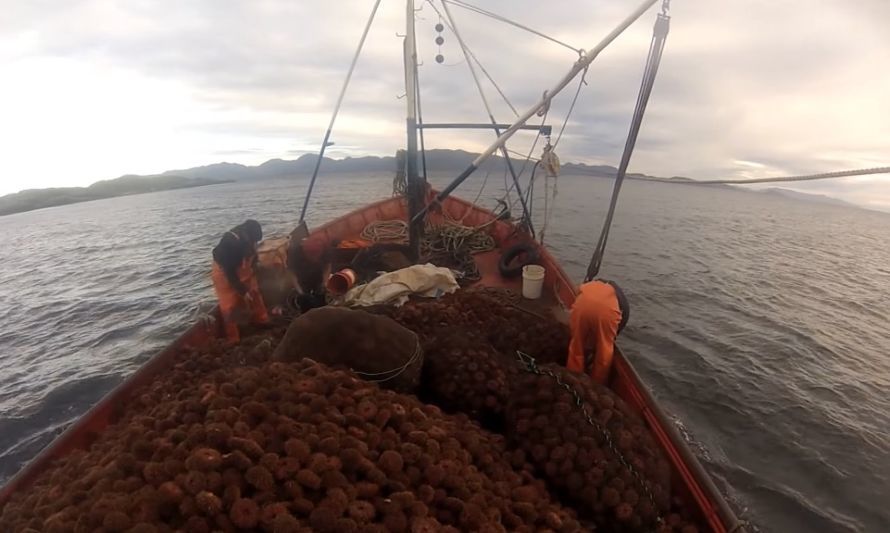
[[309, 260], [234, 278]]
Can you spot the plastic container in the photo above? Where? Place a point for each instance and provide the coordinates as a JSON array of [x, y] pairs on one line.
[[340, 282], [532, 281]]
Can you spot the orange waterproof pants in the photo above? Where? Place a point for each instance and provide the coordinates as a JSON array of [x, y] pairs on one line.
[[594, 324], [233, 306]]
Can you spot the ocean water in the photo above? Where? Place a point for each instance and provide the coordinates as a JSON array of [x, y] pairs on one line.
[[760, 323]]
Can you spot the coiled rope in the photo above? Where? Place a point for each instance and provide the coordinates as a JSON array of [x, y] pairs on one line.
[[391, 231], [450, 244]]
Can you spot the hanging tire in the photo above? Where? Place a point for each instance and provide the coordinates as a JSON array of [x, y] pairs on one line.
[[516, 257]]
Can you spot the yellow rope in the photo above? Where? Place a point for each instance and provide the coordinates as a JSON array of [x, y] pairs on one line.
[[394, 231], [450, 242]]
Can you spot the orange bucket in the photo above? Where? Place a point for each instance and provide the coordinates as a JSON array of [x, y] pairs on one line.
[[340, 282]]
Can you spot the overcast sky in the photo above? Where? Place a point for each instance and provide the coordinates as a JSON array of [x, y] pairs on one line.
[[93, 89]]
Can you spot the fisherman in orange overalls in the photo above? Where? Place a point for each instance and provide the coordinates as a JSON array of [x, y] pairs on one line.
[[599, 314], [235, 281]]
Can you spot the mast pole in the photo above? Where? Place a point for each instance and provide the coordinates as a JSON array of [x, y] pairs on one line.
[[576, 69], [414, 188]]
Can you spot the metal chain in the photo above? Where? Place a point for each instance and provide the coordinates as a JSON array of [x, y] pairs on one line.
[[665, 7], [531, 366]]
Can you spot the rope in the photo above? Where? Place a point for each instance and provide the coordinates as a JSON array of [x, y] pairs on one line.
[[386, 231], [807, 177], [399, 181], [550, 163], [526, 214], [659, 34], [395, 372], [529, 193], [455, 237], [476, 200], [577, 67], [479, 63], [327, 135], [505, 20], [450, 244], [565, 122], [550, 191]]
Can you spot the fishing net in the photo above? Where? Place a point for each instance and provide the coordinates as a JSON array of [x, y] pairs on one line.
[[376, 348], [589, 446]]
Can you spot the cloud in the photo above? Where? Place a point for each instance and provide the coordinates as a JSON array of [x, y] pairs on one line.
[[96, 88]]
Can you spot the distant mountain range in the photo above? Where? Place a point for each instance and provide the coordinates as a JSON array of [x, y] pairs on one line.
[[437, 161], [807, 197], [31, 199]]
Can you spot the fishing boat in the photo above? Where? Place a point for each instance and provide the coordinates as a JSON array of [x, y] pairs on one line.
[[419, 207]]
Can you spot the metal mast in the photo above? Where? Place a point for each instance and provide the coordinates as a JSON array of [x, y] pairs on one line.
[[415, 189], [576, 69]]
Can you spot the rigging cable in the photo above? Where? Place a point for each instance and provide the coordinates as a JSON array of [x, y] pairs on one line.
[[577, 67], [529, 198], [527, 217], [656, 48], [327, 135], [479, 63], [807, 177], [527, 157], [550, 162], [565, 122], [505, 20]]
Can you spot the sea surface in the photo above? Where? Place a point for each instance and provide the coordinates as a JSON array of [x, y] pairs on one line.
[[762, 324]]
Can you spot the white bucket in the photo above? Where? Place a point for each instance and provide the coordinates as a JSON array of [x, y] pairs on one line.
[[532, 281]]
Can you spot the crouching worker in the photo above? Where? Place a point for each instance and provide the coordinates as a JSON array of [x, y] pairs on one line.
[[309, 261], [235, 281], [599, 314]]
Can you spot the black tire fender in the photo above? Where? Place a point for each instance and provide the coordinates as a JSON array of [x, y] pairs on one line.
[[509, 267]]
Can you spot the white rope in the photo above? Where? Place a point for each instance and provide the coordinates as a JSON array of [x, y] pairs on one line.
[[807, 177], [550, 164]]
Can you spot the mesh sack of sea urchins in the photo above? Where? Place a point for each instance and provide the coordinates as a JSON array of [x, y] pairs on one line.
[[507, 327], [288, 447], [375, 347], [463, 373], [574, 457]]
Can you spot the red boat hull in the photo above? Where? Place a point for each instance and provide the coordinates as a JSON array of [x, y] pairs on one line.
[[690, 479]]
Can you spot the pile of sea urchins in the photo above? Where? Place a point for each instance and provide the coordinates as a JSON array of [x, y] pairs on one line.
[[463, 373], [228, 440], [495, 315], [608, 465], [288, 447]]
